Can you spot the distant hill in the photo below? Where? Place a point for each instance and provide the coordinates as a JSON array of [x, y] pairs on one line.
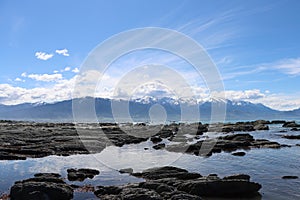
[[139, 110]]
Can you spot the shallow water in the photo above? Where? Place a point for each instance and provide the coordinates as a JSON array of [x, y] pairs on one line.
[[265, 166]]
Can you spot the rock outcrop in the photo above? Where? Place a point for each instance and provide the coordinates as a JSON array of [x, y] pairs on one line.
[[42, 186], [175, 183]]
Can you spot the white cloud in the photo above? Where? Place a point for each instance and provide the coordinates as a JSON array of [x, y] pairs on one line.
[[76, 70], [55, 71], [63, 52], [247, 95], [60, 91], [43, 55], [67, 69], [289, 66], [45, 77], [19, 80], [24, 74]]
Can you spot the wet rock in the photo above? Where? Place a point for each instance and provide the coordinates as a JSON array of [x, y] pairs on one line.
[[20, 140], [155, 139], [43, 186], [240, 153], [126, 171], [228, 143], [291, 124], [9, 156], [278, 122], [167, 183], [167, 172], [159, 146], [290, 177], [238, 137], [292, 137], [81, 174], [263, 122], [237, 177], [220, 188], [185, 197], [260, 127], [295, 129], [139, 194]]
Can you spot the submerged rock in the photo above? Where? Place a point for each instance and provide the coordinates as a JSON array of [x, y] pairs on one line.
[[126, 171], [159, 146], [290, 177], [81, 174], [240, 153], [43, 186]]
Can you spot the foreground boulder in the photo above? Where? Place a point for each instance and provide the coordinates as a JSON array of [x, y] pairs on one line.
[[42, 186], [175, 183]]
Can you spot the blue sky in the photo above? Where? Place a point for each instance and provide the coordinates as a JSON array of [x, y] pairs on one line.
[[254, 44]]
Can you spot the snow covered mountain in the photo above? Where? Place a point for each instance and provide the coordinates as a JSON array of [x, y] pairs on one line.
[[139, 110]]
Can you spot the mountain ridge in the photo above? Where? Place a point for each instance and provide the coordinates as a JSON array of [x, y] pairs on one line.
[[139, 110]]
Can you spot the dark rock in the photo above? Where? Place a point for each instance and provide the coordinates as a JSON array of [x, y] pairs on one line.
[[278, 122], [19, 140], [295, 129], [159, 146], [240, 153], [81, 174], [185, 197], [282, 131], [228, 143], [169, 185], [237, 177], [257, 122], [139, 194], [155, 139], [47, 175], [157, 186], [290, 177], [43, 186], [167, 172], [220, 188], [261, 127], [126, 171], [238, 137], [291, 124], [165, 133], [202, 129], [227, 129], [9, 156], [292, 137], [108, 190]]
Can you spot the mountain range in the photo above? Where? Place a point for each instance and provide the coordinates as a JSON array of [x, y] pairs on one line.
[[139, 110]]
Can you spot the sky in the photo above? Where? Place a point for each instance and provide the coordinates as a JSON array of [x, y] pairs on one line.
[[254, 45]]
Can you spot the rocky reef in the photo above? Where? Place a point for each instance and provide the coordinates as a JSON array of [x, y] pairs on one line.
[[175, 183]]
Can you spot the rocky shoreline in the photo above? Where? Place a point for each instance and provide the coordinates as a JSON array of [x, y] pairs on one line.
[[22, 140], [166, 182]]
